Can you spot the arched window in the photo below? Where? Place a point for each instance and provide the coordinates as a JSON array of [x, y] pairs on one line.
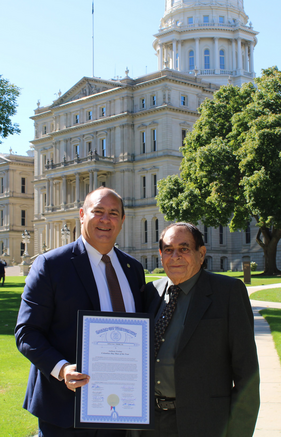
[[222, 63], [191, 60], [207, 59]]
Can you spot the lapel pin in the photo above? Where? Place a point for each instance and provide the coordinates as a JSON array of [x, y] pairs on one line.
[[128, 265]]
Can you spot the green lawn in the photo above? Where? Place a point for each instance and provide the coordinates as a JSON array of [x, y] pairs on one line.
[[268, 295], [273, 318], [14, 368]]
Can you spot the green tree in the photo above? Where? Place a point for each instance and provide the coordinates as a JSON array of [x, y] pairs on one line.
[[8, 104], [231, 167]]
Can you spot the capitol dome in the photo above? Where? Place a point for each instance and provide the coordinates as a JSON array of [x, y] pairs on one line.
[[212, 39]]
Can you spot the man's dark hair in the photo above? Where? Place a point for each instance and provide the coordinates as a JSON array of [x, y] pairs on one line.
[[197, 235], [87, 203]]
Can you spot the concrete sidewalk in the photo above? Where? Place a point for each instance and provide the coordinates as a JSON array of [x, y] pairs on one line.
[[269, 419]]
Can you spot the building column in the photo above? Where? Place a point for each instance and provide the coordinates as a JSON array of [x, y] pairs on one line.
[[77, 188], [51, 241], [90, 181], [197, 54], [233, 55], [160, 57], [179, 52], [77, 229], [246, 66], [174, 54], [239, 55], [252, 57], [95, 180], [63, 191], [51, 193], [216, 49]]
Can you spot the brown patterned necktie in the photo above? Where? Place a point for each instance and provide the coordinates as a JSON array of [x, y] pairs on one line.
[[165, 317], [113, 285]]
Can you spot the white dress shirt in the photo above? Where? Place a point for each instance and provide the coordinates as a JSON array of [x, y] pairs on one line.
[[98, 269]]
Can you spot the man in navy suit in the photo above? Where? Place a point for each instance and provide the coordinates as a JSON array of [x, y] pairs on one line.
[[61, 282]]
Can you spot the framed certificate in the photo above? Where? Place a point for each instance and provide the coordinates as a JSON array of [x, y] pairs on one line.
[[116, 351]]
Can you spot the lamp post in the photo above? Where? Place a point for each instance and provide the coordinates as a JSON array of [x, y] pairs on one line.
[[24, 265], [65, 232]]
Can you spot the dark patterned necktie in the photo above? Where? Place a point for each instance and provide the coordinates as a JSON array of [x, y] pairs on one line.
[[165, 317], [113, 285]]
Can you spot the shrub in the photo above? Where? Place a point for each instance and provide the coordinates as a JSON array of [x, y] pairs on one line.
[[253, 266], [159, 270], [146, 272]]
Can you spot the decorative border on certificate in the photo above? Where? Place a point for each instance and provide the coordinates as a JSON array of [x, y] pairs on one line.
[[115, 350]]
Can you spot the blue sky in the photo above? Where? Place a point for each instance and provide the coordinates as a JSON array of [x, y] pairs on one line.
[[46, 46]]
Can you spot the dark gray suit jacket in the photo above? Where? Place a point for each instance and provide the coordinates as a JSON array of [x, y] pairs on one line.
[[60, 283], [216, 366]]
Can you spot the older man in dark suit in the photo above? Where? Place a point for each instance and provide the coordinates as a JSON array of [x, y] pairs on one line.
[[206, 374], [62, 281]]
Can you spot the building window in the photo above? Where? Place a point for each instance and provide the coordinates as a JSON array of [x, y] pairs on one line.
[[156, 224], [207, 59], [1, 185], [221, 234], [76, 118], [177, 61], [76, 150], [22, 247], [143, 187], [154, 141], [143, 103], [205, 19], [183, 135], [154, 184], [23, 185], [248, 234], [191, 60], [103, 147], [44, 130], [221, 20], [145, 231], [143, 141], [190, 20], [89, 115], [1, 217], [153, 100], [103, 111], [222, 63], [89, 146], [2, 247], [23, 217], [183, 100]]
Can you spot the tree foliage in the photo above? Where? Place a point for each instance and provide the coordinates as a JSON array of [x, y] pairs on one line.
[[231, 164], [8, 104]]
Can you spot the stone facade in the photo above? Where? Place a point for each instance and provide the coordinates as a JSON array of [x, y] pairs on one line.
[[126, 134], [16, 205]]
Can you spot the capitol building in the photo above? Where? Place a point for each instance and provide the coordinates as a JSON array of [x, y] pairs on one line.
[[126, 134]]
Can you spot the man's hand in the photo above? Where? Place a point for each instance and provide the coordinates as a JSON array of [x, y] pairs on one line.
[[73, 379]]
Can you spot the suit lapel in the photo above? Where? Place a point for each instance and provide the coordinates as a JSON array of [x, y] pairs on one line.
[[199, 304], [83, 269]]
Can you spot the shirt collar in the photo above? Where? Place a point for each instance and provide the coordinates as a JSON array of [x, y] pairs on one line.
[[186, 286], [96, 256]]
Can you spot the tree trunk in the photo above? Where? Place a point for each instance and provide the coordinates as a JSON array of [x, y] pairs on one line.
[[269, 246]]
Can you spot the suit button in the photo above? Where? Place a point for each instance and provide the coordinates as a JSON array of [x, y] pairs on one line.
[[158, 382], [158, 361]]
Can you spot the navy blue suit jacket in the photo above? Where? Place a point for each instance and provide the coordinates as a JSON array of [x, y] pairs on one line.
[[59, 284]]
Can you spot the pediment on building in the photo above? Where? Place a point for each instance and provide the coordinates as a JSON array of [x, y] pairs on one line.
[[87, 86]]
